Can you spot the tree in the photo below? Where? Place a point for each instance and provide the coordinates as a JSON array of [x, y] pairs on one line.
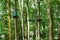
[[38, 19], [22, 20], [49, 10], [9, 19], [28, 27], [15, 19]]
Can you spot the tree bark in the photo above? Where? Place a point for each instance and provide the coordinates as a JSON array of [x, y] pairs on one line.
[[16, 20], [9, 19], [22, 20], [49, 10], [16, 35], [28, 28], [38, 19]]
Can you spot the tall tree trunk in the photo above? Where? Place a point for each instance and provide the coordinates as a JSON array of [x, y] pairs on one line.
[[28, 28], [15, 19], [38, 19], [22, 19], [16, 35], [49, 10], [9, 19]]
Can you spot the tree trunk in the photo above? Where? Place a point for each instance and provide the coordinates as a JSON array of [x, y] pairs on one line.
[[16, 35], [49, 10], [9, 19], [22, 19], [28, 28], [16, 19], [38, 19]]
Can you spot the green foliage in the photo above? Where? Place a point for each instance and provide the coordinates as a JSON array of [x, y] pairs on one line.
[[55, 5]]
